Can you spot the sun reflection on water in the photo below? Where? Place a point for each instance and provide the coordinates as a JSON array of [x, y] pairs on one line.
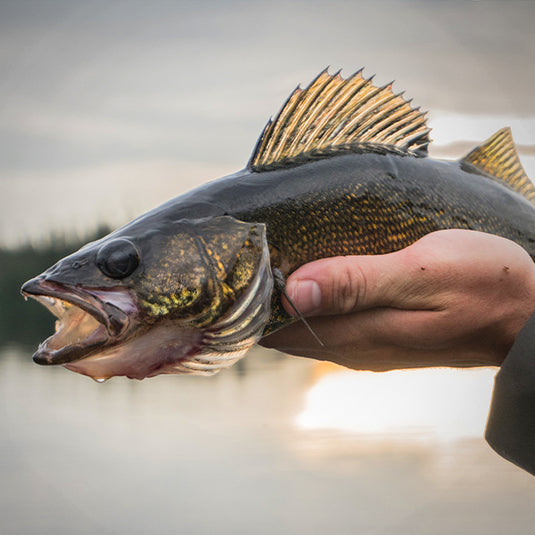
[[440, 404]]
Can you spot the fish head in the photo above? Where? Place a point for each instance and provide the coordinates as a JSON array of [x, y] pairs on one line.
[[186, 296]]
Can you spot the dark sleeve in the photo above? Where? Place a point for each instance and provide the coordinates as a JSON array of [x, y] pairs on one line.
[[511, 422]]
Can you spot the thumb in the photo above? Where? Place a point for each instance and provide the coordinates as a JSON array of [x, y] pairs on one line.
[[345, 284]]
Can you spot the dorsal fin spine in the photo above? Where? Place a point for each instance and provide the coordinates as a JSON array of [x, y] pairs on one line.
[[343, 109], [406, 125], [311, 106], [262, 140], [337, 131], [389, 121], [279, 124], [284, 114], [313, 133], [284, 117], [355, 125], [377, 126], [396, 120], [306, 105], [333, 112], [346, 92], [417, 134], [309, 134]]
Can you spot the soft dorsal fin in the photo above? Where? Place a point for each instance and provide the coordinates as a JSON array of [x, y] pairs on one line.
[[333, 112], [497, 157]]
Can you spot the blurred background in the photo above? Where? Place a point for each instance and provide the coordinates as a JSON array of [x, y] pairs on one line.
[[109, 108]]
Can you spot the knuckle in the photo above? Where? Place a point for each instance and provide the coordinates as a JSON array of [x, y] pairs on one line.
[[349, 287]]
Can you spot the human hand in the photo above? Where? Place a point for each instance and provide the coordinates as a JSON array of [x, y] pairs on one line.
[[453, 298]]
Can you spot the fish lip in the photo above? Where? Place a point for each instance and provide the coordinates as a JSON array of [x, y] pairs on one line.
[[64, 355], [115, 321]]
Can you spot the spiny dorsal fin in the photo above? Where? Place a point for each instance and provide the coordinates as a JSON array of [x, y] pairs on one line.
[[497, 157], [336, 112]]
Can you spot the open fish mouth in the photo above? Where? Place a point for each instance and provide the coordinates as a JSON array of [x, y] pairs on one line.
[[87, 320]]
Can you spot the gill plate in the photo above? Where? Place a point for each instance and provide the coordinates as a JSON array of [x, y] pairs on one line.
[[228, 340]]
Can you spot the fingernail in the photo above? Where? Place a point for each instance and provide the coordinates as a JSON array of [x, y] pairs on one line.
[[306, 295]]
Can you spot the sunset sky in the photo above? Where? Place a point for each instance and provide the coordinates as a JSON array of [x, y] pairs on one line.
[[108, 108]]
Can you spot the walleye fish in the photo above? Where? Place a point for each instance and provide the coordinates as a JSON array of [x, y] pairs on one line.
[[342, 169]]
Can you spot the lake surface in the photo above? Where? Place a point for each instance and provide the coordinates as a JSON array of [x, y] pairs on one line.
[[274, 445]]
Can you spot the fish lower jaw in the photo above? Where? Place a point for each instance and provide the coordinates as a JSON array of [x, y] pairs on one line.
[[77, 334], [165, 349], [150, 353]]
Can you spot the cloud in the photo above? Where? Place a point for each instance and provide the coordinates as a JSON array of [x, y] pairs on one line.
[[91, 85]]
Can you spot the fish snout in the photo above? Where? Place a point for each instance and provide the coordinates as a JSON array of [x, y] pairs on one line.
[[32, 287]]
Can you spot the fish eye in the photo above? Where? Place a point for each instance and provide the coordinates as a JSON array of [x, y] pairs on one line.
[[118, 258]]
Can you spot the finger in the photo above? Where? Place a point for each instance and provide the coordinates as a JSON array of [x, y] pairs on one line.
[[382, 338], [346, 284], [417, 277], [377, 327], [364, 340]]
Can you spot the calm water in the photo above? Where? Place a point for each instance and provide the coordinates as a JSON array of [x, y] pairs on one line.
[[258, 449]]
